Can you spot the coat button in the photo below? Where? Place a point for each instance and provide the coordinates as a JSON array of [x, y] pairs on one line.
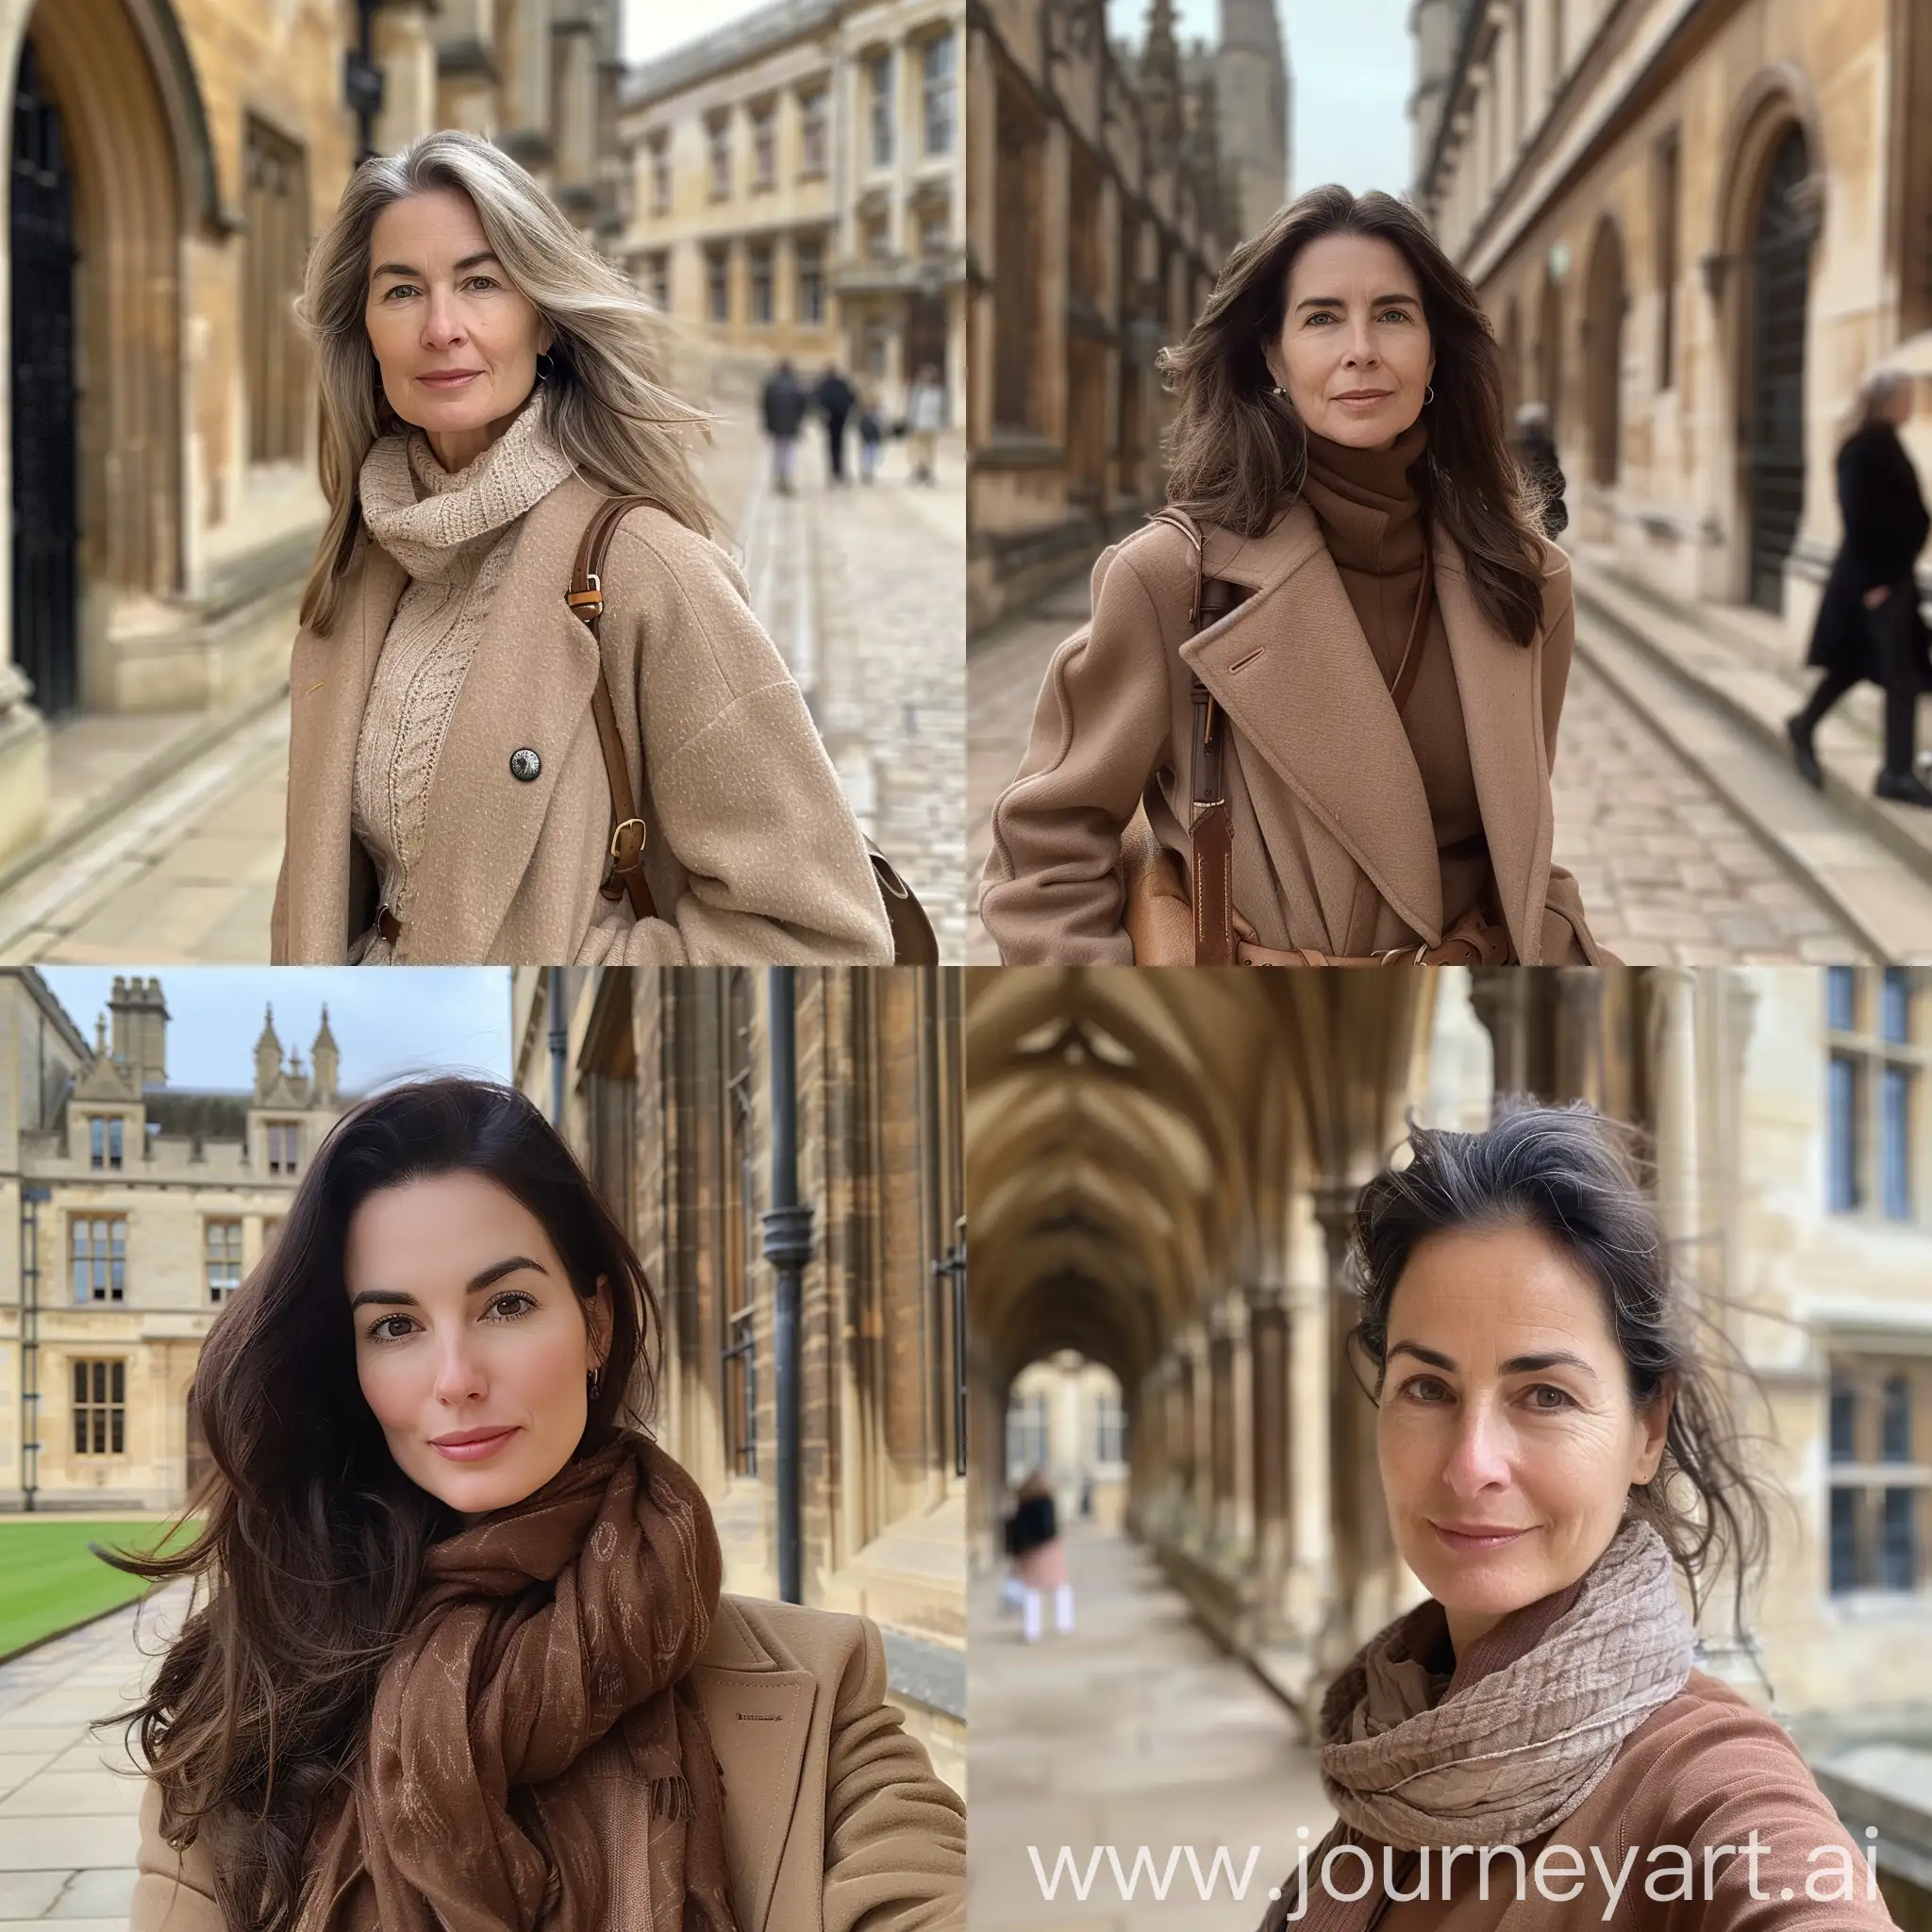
[[525, 764]]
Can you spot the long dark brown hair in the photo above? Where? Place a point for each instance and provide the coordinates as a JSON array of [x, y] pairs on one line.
[[1238, 456], [1575, 1178], [313, 1540]]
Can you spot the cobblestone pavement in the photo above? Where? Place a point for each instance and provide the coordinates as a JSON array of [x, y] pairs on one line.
[[862, 589], [1132, 1731], [69, 1797], [1670, 873]]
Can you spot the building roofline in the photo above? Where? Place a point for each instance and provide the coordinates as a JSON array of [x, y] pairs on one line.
[[45, 997], [770, 27]]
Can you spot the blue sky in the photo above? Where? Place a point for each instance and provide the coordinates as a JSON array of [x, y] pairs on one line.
[[1353, 67], [386, 1023]]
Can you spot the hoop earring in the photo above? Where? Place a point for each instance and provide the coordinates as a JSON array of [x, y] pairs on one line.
[[545, 366], [1428, 394]]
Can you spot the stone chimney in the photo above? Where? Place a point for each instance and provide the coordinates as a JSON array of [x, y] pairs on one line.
[[141, 1029]]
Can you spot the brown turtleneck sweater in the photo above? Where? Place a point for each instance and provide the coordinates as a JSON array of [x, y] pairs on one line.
[[1371, 520]]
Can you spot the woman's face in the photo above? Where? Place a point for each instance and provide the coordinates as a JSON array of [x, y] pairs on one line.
[[440, 302], [1354, 352], [471, 1345], [1508, 1437]]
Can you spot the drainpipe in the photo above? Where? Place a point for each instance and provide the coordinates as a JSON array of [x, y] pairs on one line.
[[787, 1247], [560, 1044], [31, 1201]]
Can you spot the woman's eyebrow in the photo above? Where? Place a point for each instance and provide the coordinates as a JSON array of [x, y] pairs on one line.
[[400, 1298], [1516, 1365], [1341, 302], [400, 268]]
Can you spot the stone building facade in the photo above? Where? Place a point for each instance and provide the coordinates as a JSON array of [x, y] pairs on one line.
[[132, 1208], [172, 161], [1694, 227], [1162, 1171], [1099, 209], [666, 1083], [796, 188]]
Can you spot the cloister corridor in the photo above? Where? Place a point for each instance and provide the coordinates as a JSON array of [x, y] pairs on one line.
[[1133, 1731]]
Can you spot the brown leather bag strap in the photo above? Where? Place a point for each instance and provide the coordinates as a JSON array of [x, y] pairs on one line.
[[586, 597]]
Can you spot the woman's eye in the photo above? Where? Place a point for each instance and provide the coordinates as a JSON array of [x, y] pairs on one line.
[[1395, 315], [1424, 1389], [1544, 1388], [380, 1329], [506, 1308]]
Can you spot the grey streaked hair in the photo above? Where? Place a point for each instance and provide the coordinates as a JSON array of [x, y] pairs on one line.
[[603, 403], [1876, 387]]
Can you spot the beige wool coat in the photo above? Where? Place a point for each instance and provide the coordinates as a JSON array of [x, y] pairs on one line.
[[833, 1820], [1334, 848], [754, 855]]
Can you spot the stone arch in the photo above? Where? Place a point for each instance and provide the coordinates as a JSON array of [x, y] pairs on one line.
[[1767, 405], [1603, 334], [143, 172]]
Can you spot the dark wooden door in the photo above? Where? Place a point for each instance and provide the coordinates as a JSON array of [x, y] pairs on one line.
[[47, 527], [1775, 410]]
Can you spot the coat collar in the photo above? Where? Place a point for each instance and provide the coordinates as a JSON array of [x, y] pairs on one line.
[[528, 685], [1303, 687], [759, 1708]]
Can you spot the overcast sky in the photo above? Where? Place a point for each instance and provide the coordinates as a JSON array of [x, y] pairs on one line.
[[386, 1023], [1352, 69]]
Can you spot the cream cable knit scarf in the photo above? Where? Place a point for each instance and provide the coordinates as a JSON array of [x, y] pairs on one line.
[[424, 515], [454, 533]]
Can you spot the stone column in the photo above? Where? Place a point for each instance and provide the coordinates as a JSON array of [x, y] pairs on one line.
[[1581, 1071], [1671, 1031], [1501, 998], [1267, 1364], [1360, 1524], [1220, 1426]]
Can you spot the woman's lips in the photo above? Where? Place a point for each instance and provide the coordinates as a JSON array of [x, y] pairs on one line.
[[1477, 1542], [473, 1452], [1358, 400], [454, 381]]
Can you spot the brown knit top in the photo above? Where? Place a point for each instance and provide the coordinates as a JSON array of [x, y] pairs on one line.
[[1371, 515]]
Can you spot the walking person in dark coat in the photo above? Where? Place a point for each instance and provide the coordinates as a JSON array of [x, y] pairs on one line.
[[1032, 1539], [835, 397], [784, 402], [1535, 454], [1869, 624]]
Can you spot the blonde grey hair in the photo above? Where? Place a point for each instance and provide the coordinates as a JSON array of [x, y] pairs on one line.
[[602, 400]]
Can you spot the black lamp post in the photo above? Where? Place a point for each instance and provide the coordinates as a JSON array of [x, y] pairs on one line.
[[788, 1245], [362, 80]]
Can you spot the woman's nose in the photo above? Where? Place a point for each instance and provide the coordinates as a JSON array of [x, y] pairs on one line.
[[1478, 1453], [459, 1376]]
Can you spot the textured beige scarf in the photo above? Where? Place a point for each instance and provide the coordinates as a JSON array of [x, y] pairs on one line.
[[1505, 1750]]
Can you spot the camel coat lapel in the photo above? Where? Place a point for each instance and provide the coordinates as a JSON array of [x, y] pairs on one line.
[[1298, 681], [529, 687], [328, 690]]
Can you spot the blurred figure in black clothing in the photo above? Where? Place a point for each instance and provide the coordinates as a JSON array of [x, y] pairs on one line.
[[1535, 454], [1869, 624], [835, 397], [784, 403], [1033, 1541]]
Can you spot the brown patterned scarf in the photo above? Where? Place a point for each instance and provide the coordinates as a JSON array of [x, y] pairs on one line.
[[537, 1631]]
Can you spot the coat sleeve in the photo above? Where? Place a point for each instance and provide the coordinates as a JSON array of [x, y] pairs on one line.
[[738, 783], [174, 1891], [895, 1836], [1051, 893]]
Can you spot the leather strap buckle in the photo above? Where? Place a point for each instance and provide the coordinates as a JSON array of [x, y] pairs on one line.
[[587, 604], [617, 833]]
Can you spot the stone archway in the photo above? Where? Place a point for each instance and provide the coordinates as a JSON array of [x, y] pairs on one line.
[[142, 169], [1604, 349]]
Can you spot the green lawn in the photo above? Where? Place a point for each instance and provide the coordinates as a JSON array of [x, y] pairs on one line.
[[50, 1579]]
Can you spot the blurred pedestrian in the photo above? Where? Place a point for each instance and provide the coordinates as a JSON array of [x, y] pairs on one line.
[[784, 402], [926, 414], [1869, 624], [475, 429], [872, 435], [1535, 456], [835, 397], [1041, 1558]]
